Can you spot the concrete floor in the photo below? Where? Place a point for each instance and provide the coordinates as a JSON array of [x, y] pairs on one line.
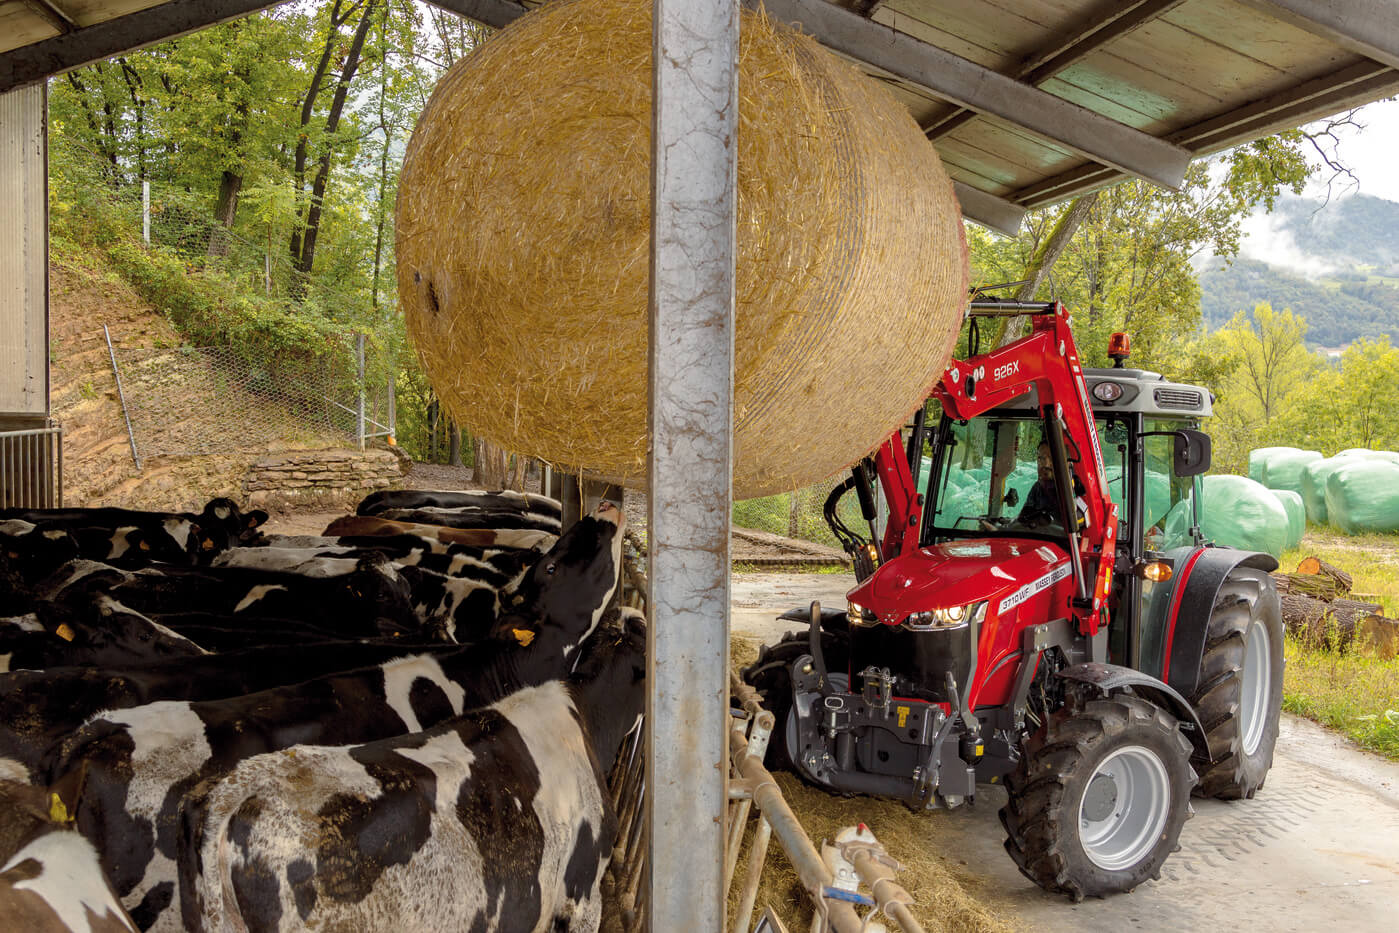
[[1316, 849]]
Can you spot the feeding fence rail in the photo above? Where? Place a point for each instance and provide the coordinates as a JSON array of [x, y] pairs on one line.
[[31, 468]]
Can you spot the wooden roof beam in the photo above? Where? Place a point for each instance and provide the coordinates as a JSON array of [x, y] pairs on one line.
[[1349, 87], [29, 64], [1123, 19], [988, 210], [494, 13], [978, 88], [1368, 27], [52, 15]]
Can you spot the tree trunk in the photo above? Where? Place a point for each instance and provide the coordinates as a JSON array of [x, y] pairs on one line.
[[434, 419], [1329, 623], [225, 209], [517, 474], [490, 464], [1318, 567], [453, 444], [1045, 257], [308, 109], [794, 514], [332, 123]]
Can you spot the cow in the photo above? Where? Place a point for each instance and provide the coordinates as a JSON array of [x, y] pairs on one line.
[[498, 500], [50, 879], [39, 707], [29, 552], [498, 819], [139, 762], [98, 632], [438, 537], [372, 600], [499, 519], [109, 534]]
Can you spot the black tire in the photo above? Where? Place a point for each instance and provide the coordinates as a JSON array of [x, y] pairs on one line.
[[771, 676], [1067, 828], [1239, 698]]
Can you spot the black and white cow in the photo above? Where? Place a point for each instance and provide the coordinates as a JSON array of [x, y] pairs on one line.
[[501, 500], [50, 879], [39, 707], [138, 763], [499, 819], [371, 600], [352, 529], [96, 632], [131, 535], [475, 518], [29, 552]]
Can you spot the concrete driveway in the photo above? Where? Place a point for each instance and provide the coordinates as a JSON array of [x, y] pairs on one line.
[[1316, 849]]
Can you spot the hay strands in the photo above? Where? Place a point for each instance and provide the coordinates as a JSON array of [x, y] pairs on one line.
[[752, 784]]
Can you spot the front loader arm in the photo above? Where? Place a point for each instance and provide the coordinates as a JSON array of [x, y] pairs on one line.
[[1045, 360]]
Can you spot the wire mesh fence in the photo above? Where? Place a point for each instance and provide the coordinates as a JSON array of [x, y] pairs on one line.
[[798, 514], [206, 400]]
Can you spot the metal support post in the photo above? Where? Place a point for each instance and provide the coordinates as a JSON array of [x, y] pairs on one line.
[[695, 45]]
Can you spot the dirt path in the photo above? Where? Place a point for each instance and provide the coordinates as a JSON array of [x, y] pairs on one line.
[[1316, 849]]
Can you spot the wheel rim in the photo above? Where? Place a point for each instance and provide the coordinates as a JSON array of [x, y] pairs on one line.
[[1124, 808], [1257, 685]]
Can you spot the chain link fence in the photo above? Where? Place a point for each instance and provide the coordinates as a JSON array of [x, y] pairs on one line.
[[799, 514], [207, 400]]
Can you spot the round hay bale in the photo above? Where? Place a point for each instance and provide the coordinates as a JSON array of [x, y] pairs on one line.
[[524, 249]]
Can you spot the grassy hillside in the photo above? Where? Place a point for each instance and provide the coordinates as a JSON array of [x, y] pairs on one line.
[[1339, 310]]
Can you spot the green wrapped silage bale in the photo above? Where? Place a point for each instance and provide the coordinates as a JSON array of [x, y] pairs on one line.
[[1158, 497], [1242, 513], [1362, 495], [1314, 476], [1372, 454], [1296, 515], [1283, 469], [1258, 459]]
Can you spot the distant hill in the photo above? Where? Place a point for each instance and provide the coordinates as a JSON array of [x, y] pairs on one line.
[[1351, 232], [1357, 238], [1338, 312]]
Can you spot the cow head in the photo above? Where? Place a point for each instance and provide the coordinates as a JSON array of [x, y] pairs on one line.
[[562, 597], [30, 553], [609, 682]]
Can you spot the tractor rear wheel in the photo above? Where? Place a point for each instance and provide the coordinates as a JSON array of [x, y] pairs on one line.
[[1240, 688], [771, 676], [1099, 798]]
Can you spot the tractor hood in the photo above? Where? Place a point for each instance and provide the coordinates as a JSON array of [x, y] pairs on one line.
[[956, 573]]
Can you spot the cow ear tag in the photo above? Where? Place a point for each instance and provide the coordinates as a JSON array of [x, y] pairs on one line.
[[58, 813], [145, 546], [523, 635], [64, 632]]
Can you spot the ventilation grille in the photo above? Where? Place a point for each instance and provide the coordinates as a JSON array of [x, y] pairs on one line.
[[1186, 399]]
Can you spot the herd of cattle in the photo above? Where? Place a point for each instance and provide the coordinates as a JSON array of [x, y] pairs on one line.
[[404, 724]]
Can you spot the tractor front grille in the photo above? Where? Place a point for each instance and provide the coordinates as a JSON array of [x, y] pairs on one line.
[[1183, 399]]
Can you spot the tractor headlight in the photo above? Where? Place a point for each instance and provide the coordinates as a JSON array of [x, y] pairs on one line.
[[859, 616], [941, 619]]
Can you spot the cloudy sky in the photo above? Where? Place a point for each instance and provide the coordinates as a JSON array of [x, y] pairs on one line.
[[1372, 153]]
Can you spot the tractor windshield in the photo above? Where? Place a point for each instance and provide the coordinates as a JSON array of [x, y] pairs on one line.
[[994, 475]]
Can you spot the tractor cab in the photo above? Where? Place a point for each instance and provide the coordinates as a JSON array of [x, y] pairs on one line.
[[993, 477]]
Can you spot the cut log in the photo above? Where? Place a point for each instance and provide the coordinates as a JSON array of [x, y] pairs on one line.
[[1316, 586], [1325, 623], [1315, 566], [1378, 635]]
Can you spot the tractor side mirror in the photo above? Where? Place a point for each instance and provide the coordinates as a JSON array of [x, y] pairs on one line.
[[1192, 452]]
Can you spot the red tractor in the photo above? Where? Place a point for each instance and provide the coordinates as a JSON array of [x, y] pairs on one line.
[[1039, 616]]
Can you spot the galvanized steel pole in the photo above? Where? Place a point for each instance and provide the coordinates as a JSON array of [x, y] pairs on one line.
[[695, 116]]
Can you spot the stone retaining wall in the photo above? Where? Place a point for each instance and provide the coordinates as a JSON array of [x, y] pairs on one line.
[[320, 478]]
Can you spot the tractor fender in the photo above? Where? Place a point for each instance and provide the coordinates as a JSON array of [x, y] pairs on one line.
[[1110, 678], [1192, 598]]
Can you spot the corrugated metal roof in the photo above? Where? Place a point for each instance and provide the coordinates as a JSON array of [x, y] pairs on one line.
[[1028, 102]]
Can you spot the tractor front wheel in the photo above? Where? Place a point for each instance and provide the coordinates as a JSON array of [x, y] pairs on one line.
[[1099, 798], [1240, 692]]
